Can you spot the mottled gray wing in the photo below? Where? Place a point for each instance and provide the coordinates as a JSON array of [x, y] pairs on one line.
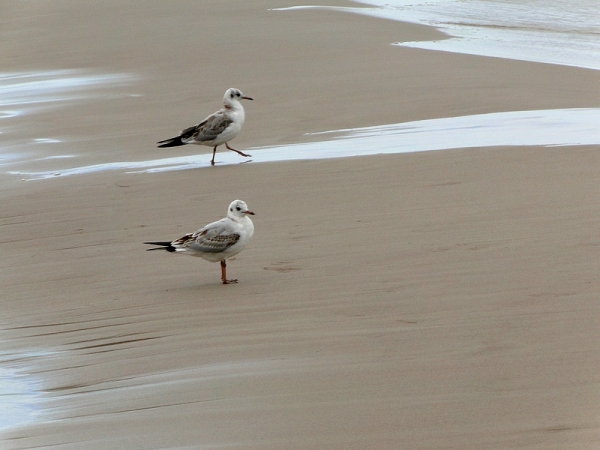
[[211, 127], [213, 239]]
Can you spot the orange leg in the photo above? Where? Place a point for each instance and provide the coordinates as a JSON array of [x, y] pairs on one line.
[[224, 274], [237, 151]]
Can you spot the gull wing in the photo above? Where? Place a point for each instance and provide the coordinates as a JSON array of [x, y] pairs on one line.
[[208, 129], [213, 238]]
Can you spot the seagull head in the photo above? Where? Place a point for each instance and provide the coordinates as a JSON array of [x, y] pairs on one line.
[[233, 95], [238, 208]]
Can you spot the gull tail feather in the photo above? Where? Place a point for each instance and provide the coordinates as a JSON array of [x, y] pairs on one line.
[[163, 246], [171, 142]]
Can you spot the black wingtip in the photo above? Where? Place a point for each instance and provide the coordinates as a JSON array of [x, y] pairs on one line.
[[162, 246], [171, 142]]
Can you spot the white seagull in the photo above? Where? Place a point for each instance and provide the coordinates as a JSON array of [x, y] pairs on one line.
[[218, 240], [218, 128]]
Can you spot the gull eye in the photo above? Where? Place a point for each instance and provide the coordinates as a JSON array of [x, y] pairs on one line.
[[238, 208]]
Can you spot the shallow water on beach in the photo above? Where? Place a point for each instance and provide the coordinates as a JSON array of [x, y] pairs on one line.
[[28, 101], [565, 32], [559, 127], [19, 397]]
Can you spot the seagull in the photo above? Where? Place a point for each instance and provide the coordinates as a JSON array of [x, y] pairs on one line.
[[218, 128], [218, 240]]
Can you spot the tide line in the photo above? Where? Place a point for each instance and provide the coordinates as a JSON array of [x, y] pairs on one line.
[[554, 127]]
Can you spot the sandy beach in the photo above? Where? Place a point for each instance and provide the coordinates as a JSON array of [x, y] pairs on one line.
[[428, 300]]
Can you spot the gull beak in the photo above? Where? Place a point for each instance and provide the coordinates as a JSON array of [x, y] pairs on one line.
[[249, 213], [247, 98]]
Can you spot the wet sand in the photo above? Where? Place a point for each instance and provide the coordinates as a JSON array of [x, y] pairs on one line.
[[429, 300]]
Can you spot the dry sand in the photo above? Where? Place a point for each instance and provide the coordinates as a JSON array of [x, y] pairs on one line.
[[428, 300]]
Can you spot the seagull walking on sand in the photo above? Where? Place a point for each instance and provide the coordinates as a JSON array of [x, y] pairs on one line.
[[218, 128], [218, 240]]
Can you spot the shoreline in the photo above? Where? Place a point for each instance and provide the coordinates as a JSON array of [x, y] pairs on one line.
[[547, 128], [490, 29]]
